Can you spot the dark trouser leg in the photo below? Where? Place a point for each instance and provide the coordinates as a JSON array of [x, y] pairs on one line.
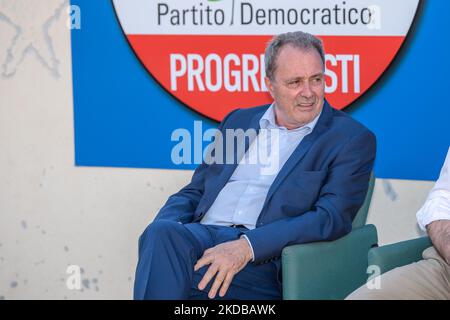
[[167, 254], [254, 282]]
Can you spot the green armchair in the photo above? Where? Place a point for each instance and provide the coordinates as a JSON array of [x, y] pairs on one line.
[[330, 270], [398, 254]]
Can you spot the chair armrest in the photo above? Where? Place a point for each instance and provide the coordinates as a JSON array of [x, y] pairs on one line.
[[398, 254], [327, 270]]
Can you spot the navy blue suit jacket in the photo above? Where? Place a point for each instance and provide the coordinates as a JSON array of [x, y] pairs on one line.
[[314, 197]]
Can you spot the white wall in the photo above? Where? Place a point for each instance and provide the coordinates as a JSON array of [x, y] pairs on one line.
[[53, 214]]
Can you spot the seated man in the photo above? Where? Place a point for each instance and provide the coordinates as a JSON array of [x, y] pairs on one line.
[[222, 235], [429, 278]]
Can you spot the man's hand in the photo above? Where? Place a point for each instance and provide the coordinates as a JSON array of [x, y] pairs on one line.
[[225, 259], [439, 232]]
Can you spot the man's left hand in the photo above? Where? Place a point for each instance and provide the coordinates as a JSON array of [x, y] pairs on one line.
[[225, 259]]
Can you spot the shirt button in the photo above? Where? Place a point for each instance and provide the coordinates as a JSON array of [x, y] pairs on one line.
[[239, 212]]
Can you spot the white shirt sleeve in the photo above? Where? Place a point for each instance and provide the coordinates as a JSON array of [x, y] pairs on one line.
[[251, 247], [437, 205]]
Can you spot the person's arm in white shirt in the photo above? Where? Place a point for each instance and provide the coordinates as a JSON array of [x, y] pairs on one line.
[[439, 232], [434, 216]]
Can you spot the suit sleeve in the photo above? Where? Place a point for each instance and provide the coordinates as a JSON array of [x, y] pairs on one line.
[[340, 198], [180, 207]]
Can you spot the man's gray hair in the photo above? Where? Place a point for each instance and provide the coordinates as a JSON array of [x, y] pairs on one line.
[[297, 39]]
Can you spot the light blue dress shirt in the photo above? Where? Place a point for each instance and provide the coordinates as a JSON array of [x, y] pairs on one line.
[[241, 200]]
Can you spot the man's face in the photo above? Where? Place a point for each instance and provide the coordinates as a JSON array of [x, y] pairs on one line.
[[298, 86]]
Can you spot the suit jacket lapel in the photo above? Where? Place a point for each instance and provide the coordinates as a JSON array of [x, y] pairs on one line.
[[228, 169], [302, 149]]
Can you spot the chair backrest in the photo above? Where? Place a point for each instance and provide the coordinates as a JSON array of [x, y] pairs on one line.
[[361, 215]]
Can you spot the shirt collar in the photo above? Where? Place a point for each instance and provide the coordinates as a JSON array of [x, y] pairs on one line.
[[267, 121]]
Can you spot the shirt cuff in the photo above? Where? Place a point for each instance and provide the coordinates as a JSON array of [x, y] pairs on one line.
[[251, 247]]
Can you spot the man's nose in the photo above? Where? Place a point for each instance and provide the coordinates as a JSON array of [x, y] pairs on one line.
[[306, 91]]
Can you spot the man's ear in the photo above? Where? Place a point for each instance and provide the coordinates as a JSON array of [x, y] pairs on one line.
[[269, 86]]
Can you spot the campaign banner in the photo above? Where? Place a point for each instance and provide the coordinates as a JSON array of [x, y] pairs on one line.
[[146, 70], [210, 54]]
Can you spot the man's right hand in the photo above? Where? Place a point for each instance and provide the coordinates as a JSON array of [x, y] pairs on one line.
[[225, 260]]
